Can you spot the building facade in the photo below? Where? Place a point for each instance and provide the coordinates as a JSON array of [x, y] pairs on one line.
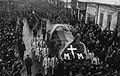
[[103, 14], [107, 17]]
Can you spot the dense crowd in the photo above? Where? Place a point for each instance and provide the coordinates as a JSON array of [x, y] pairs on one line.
[[103, 43], [9, 34]]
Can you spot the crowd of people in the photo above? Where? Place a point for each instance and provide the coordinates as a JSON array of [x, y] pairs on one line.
[[103, 43], [10, 32]]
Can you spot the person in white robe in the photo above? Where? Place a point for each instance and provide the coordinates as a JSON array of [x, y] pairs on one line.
[[95, 61], [45, 51], [46, 64], [34, 43], [53, 62], [41, 42], [39, 57], [37, 53], [91, 55]]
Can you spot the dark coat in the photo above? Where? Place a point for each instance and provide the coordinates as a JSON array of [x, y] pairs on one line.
[[28, 62], [38, 74], [22, 47], [60, 70]]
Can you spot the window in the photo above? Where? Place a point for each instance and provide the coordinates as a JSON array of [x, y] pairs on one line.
[[109, 18], [91, 19], [88, 17], [82, 15], [101, 19]]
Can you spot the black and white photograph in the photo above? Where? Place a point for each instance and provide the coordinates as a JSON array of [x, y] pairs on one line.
[[59, 37]]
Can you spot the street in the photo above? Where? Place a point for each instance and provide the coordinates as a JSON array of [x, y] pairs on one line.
[[26, 38]]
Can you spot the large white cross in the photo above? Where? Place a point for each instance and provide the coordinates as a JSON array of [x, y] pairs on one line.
[[72, 50]]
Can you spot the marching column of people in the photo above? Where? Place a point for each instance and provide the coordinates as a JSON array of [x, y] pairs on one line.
[[46, 64], [41, 52]]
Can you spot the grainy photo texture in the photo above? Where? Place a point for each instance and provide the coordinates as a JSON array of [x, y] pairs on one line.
[[59, 37]]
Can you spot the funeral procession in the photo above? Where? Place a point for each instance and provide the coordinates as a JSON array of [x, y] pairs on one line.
[[59, 37]]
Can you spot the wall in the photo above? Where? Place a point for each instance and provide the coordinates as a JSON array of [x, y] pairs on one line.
[[106, 10], [92, 10]]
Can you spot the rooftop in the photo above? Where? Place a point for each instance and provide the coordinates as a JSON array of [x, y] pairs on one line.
[[111, 2]]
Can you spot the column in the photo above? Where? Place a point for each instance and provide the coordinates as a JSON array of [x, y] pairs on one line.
[[97, 14], [118, 22], [85, 18], [78, 10], [78, 13]]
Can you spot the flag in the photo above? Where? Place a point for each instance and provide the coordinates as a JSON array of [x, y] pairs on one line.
[[74, 50]]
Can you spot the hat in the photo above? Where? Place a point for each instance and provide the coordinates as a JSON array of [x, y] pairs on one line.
[[39, 70]]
